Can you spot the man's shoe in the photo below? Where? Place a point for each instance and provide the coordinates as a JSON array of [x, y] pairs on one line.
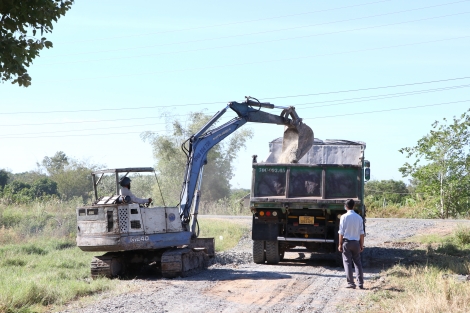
[[350, 287], [361, 287]]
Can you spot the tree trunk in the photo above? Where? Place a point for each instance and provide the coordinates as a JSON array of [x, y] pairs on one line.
[[442, 196]]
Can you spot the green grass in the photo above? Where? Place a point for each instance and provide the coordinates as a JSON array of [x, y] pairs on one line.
[[227, 234], [41, 273]]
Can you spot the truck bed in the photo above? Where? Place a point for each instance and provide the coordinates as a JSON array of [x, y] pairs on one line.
[[301, 199]]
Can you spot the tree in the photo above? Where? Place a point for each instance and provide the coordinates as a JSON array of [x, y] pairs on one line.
[[4, 176], [171, 161], [392, 191], [444, 177], [75, 180], [56, 163], [73, 177], [44, 186], [18, 49]]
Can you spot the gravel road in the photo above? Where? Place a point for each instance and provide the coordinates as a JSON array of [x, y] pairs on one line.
[[303, 283]]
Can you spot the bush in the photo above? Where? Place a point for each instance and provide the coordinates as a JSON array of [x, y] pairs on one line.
[[462, 235]]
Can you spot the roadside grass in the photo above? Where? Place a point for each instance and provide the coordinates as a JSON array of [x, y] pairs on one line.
[[399, 211], [44, 272], [227, 234], [224, 207], [41, 267], [436, 283]]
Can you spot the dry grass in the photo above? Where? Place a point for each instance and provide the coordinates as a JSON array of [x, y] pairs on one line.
[[399, 211], [438, 283], [420, 289]]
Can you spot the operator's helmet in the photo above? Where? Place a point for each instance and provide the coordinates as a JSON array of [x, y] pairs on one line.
[[125, 181]]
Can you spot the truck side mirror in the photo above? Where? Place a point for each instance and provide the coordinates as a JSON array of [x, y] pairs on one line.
[[367, 174]]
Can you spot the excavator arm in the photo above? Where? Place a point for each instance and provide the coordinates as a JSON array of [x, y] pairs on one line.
[[298, 139]]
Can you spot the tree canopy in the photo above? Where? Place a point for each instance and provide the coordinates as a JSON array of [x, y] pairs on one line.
[[3, 178], [171, 161], [73, 177], [56, 163], [391, 191], [18, 48], [441, 168]]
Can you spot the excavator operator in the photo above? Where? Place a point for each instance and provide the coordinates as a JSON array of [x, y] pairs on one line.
[[127, 194]]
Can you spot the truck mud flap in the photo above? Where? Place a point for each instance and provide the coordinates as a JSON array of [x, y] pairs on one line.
[[263, 231]]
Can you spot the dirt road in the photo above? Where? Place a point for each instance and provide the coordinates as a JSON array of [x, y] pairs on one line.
[[303, 283]]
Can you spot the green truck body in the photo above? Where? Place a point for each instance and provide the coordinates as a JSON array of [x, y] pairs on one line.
[[300, 204]]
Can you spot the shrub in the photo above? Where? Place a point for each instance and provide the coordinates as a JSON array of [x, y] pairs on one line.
[[462, 234]]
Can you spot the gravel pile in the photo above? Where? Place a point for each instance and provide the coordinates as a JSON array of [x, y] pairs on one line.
[[240, 254], [232, 257]]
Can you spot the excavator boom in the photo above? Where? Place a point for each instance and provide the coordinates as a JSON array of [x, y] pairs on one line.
[[298, 139]]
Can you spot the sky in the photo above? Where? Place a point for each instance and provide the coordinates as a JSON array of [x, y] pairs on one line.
[[375, 71]]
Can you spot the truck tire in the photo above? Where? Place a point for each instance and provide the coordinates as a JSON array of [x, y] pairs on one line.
[[272, 252], [258, 252]]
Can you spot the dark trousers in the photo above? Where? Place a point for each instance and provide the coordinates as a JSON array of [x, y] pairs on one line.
[[352, 253]]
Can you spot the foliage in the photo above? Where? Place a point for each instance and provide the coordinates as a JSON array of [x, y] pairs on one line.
[[27, 177], [44, 186], [73, 177], [21, 192], [391, 191], [18, 191], [462, 235], [4, 176], [444, 177], [410, 209], [17, 17], [56, 163], [171, 161], [75, 180]]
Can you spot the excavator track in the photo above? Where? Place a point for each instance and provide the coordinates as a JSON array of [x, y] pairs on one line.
[[170, 263], [107, 265], [183, 262]]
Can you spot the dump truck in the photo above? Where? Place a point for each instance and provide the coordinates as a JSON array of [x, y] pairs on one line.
[[297, 206]]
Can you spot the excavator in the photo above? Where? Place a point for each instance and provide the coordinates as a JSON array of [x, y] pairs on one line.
[[137, 237]]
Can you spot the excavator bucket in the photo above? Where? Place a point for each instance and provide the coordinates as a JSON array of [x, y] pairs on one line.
[[296, 142]]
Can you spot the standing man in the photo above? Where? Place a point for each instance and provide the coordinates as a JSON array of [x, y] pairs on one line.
[[126, 191], [351, 243]]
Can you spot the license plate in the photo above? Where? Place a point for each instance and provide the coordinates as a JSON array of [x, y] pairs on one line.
[[306, 220]]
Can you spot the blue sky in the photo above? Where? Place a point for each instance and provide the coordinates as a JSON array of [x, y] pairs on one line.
[[164, 55]]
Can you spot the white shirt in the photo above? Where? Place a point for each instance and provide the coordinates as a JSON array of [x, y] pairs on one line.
[[351, 225], [127, 192]]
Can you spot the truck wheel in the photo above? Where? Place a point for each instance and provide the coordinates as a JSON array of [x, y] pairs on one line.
[[272, 252], [258, 252]]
